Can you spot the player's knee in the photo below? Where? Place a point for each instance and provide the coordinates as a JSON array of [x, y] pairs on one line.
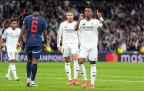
[[67, 59], [92, 62], [80, 60], [12, 61]]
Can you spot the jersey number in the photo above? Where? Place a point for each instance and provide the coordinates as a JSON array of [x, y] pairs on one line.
[[34, 26]]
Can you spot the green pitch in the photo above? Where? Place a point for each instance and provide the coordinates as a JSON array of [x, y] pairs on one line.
[[51, 77]]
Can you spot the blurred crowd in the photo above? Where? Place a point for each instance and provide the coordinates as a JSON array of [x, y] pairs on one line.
[[124, 17]]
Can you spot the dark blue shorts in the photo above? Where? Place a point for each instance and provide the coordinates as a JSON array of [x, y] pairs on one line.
[[34, 51]]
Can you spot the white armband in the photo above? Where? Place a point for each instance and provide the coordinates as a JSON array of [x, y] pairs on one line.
[[101, 19]]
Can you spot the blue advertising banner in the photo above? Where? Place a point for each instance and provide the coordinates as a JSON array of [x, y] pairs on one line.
[[54, 56]]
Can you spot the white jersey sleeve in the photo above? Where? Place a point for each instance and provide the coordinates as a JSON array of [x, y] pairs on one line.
[[98, 23], [59, 35], [4, 34]]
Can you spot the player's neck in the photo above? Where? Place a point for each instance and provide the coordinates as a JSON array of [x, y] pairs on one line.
[[88, 19], [69, 21], [13, 28], [36, 13]]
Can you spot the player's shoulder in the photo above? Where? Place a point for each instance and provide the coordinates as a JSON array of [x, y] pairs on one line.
[[18, 29], [29, 16], [74, 22], [96, 20], [83, 20], [7, 29], [63, 23]]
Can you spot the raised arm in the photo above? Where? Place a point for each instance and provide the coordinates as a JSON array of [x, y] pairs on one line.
[[80, 18], [101, 19]]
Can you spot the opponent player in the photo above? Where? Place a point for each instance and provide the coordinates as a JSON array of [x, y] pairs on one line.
[[88, 30], [11, 36], [69, 38], [33, 25]]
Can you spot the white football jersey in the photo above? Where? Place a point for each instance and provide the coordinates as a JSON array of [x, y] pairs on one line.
[[67, 33], [11, 37], [88, 32]]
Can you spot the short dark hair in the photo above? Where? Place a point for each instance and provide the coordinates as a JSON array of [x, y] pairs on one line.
[[36, 8], [89, 7], [13, 20]]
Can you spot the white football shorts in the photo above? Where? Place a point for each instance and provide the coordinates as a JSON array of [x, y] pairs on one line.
[[69, 48], [91, 53], [12, 55]]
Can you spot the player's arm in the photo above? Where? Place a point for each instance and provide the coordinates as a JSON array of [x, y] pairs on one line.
[[59, 36], [2, 40], [21, 35], [45, 34], [22, 32], [104, 24], [78, 22]]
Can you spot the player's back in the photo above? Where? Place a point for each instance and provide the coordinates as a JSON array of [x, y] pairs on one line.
[[35, 24]]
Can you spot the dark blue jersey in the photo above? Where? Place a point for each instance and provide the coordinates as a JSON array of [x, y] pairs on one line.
[[35, 24]]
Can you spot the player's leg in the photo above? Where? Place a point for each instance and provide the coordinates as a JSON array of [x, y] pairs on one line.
[[93, 58], [12, 66], [83, 53], [36, 50], [28, 68], [66, 54], [8, 72], [68, 70], [29, 64], [74, 52], [13, 69]]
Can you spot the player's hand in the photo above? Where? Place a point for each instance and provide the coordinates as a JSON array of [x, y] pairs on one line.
[[59, 49], [18, 45], [44, 47], [98, 14], [81, 16]]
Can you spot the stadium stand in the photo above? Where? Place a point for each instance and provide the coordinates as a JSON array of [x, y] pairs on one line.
[[124, 17]]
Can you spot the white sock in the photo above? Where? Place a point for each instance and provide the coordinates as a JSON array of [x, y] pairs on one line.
[[9, 70], [32, 82], [68, 70], [13, 68], [76, 69], [93, 73], [83, 71]]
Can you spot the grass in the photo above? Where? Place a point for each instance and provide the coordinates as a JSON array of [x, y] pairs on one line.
[[51, 77]]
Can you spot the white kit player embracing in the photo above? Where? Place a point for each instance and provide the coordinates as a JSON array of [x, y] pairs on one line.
[[11, 35], [88, 34], [69, 38]]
